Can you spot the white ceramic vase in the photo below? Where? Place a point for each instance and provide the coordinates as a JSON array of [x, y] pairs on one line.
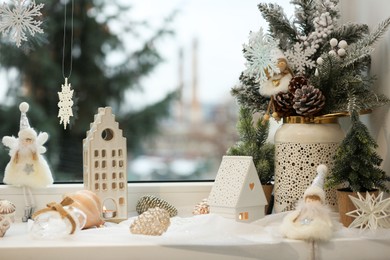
[[299, 148]]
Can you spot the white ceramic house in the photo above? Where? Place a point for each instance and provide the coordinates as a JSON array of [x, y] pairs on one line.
[[237, 192], [105, 164]]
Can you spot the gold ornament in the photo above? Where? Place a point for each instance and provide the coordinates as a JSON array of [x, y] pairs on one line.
[[201, 208], [153, 222]]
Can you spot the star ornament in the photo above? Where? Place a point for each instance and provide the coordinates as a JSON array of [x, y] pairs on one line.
[[371, 212], [65, 104]]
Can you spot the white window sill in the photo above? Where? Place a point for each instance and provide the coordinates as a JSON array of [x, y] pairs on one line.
[[198, 237], [180, 194]]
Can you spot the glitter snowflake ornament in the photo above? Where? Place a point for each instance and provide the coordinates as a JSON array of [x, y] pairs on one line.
[[260, 56], [371, 212], [19, 20], [299, 57], [65, 104]]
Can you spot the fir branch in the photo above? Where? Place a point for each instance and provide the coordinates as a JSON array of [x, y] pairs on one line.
[[248, 95], [360, 51], [253, 136], [357, 55], [279, 26], [304, 13], [350, 32], [377, 34]]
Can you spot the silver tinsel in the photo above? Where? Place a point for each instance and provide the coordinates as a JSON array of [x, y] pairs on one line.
[[153, 222], [150, 201]]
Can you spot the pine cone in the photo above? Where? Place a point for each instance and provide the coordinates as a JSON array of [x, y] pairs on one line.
[[201, 208], [152, 222], [297, 82], [284, 103], [308, 101], [150, 201]]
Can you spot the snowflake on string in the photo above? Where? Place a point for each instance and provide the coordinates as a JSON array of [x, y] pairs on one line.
[[65, 104], [259, 53], [20, 20], [371, 212], [299, 57]]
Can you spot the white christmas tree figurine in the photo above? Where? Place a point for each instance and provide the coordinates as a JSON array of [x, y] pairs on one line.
[[19, 21], [65, 104]]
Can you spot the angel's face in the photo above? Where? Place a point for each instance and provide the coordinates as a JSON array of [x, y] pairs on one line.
[[27, 141]]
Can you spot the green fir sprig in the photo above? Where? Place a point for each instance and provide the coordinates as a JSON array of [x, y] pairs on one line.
[[253, 137], [362, 172]]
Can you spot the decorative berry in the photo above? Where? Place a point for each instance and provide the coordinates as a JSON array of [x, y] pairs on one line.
[[341, 52], [333, 42], [343, 44]]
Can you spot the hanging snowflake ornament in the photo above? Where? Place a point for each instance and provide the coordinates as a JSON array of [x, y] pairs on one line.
[[371, 212], [19, 20], [260, 56], [299, 57], [65, 104]]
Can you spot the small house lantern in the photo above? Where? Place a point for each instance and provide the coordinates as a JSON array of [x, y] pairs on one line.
[[237, 192], [105, 164]]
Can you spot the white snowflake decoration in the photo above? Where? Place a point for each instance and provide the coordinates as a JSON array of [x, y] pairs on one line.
[[65, 104], [20, 19], [371, 212], [299, 57], [260, 56]]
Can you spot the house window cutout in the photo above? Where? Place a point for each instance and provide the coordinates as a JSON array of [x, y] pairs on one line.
[[96, 153], [121, 175], [113, 185], [120, 163], [96, 164], [103, 164], [96, 186], [96, 176], [243, 216], [120, 153], [109, 204], [104, 176], [113, 163], [121, 186], [121, 201], [114, 175], [113, 153], [103, 153], [104, 186], [107, 134]]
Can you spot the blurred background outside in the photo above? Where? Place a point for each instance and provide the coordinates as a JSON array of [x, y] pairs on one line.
[[165, 67]]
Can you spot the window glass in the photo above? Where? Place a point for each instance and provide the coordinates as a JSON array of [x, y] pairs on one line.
[[164, 67]]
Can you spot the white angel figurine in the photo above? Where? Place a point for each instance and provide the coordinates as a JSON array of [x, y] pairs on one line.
[[311, 220], [275, 84], [278, 82], [27, 167]]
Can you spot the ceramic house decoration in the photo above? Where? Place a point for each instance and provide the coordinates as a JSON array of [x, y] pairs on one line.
[[105, 164], [237, 192]]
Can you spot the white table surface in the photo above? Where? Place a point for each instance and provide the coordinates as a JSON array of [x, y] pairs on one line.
[[196, 237]]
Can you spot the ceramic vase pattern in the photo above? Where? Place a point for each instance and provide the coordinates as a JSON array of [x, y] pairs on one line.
[[299, 149]]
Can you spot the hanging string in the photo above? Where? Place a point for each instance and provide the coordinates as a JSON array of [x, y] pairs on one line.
[[64, 42]]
